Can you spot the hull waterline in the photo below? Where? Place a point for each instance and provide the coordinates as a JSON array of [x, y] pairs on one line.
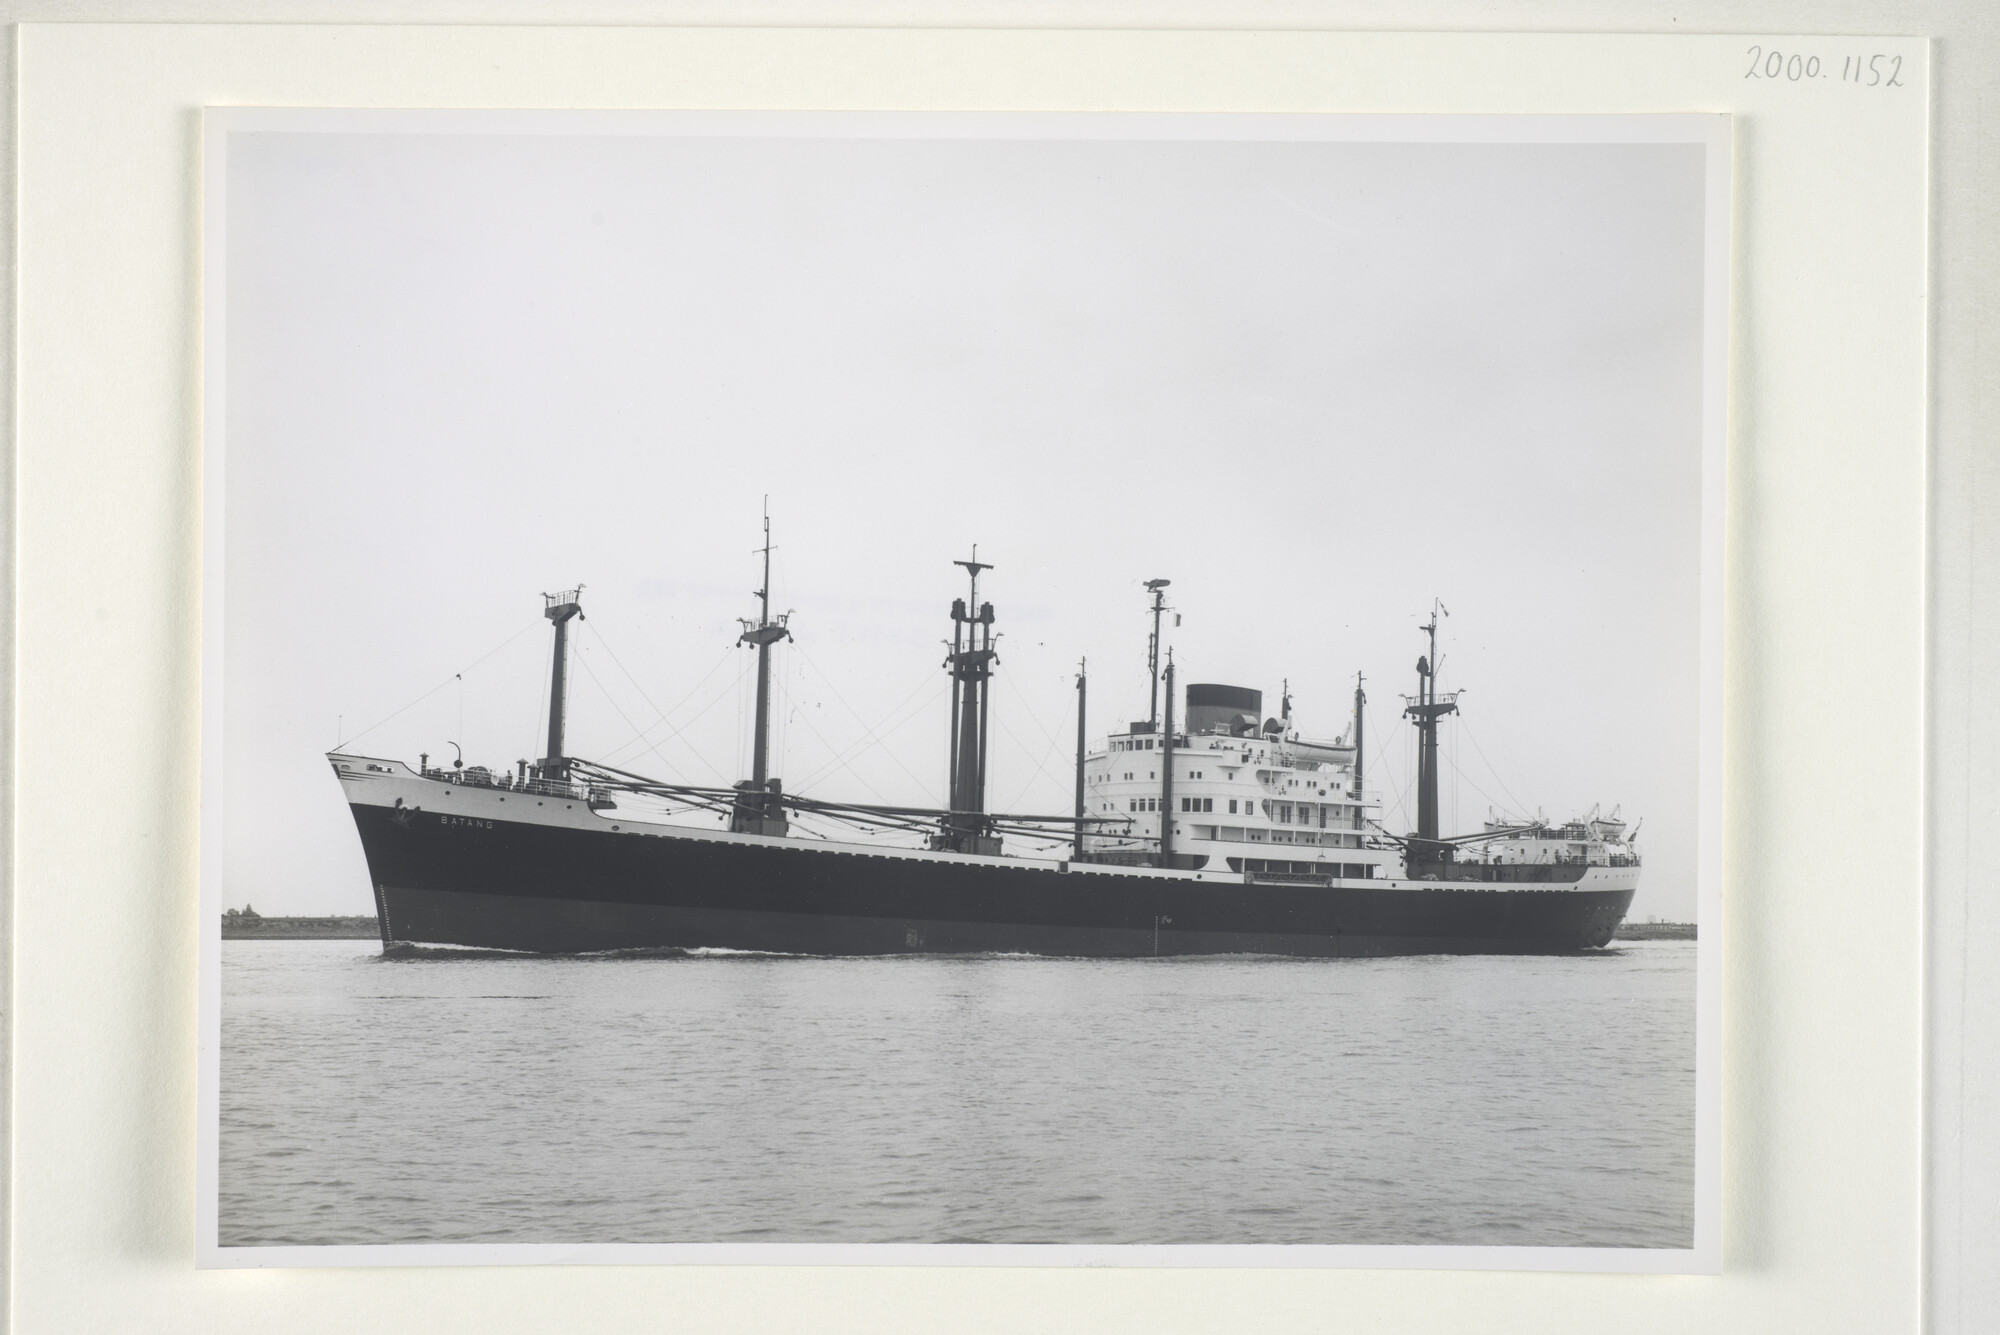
[[556, 877]]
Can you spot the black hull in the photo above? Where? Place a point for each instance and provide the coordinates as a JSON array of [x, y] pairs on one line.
[[553, 889]]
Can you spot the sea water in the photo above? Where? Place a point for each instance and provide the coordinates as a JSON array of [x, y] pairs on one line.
[[450, 1096]]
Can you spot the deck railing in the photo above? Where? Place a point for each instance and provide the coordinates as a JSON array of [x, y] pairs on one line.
[[509, 783]]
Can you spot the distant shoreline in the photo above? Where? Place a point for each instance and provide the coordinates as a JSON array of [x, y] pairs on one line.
[[300, 929], [367, 929], [1656, 931]]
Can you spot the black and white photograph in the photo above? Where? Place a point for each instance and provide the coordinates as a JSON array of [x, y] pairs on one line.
[[960, 689]]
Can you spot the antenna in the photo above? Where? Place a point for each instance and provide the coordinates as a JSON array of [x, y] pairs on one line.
[[1438, 609], [1082, 752], [1166, 844], [1156, 587], [972, 568], [1360, 708]]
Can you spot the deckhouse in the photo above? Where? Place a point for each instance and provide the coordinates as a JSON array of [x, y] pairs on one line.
[[1245, 795]]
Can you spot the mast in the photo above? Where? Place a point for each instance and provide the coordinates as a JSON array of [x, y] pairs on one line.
[[1167, 775], [1082, 737], [985, 702], [966, 828], [1360, 703], [1157, 587], [559, 608], [957, 689], [1427, 708], [758, 807]]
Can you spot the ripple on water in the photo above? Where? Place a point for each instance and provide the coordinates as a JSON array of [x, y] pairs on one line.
[[671, 1096]]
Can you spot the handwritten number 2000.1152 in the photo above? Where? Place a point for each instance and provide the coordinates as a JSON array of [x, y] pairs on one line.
[[1868, 71]]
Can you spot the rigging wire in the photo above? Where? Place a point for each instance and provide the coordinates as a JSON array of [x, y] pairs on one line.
[[667, 714], [598, 681], [744, 694], [640, 734], [781, 702], [456, 676], [1413, 770], [1021, 699], [703, 712], [878, 736], [1451, 758], [542, 707], [859, 777], [1477, 789], [1037, 762], [806, 659], [1395, 790], [1473, 737], [915, 817], [878, 733], [698, 715]]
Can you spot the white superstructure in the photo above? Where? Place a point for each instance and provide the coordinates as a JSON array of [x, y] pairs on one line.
[[1256, 797], [1246, 796], [1593, 840]]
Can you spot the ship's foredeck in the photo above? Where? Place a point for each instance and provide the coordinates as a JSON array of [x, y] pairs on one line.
[[480, 800]]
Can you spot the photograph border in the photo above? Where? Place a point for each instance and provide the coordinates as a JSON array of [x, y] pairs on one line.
[[1848, 1143], [1713, 131]]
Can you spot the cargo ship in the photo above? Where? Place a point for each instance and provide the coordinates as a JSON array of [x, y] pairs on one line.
[[1205, 828]]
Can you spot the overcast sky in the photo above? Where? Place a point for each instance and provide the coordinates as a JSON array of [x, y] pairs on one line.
[[1315, 385]]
